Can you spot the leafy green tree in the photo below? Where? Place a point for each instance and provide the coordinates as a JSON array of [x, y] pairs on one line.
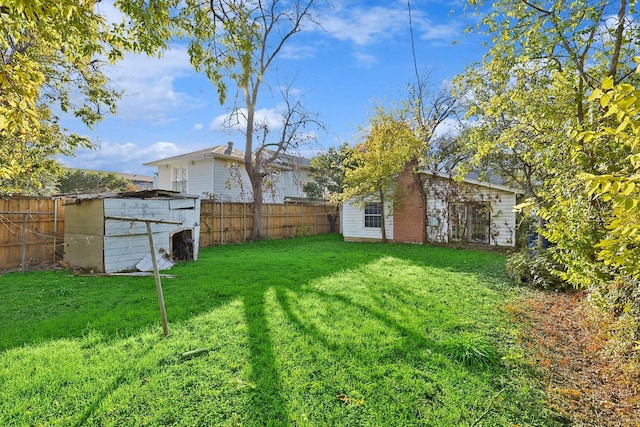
[[47, 57], [328, 171], [82, 181], [52, 58], [238, 42], [534, 125], [529, 93], [620, 189], [390, 144]]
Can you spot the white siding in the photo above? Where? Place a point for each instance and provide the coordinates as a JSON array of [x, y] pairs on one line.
[[199, 177], [441, 192], [231, 182], [163, 180], [353, 224], [292, 183], [228, 181], [503, 221]]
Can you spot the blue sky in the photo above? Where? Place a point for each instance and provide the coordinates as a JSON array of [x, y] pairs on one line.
[[361, 57]]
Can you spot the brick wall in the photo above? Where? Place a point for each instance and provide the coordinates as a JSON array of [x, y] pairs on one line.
[[409, 224]]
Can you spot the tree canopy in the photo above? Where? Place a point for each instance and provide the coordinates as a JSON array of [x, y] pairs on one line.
[[236, 43], [52, 62], [82, 181], [389, 145], [552, 107]]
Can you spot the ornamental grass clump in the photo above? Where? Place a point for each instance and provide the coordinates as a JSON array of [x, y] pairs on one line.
[[470, 350]]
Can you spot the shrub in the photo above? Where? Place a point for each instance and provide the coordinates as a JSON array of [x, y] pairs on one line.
[[620, 298], [536, 268]]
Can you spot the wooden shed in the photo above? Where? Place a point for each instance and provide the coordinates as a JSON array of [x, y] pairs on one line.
[[107, 233]]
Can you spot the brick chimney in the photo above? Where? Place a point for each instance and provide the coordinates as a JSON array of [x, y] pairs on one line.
[[409, 212]]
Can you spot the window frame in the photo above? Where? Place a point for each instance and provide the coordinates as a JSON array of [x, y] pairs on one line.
[[373, 215], [180, 185], [470, 222]]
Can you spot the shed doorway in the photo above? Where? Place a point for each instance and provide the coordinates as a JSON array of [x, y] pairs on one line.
[[182, 245]]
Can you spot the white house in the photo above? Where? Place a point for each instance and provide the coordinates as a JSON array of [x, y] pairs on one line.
[[218, 172], [467, 211]]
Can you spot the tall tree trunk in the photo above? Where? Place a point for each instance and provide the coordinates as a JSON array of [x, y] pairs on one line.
[[383, 215], [253, 164], [258, 224]]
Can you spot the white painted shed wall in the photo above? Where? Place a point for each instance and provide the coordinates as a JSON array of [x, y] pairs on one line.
[[126, 243], [503, 219]]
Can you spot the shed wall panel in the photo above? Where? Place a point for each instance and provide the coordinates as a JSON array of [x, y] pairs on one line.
[[84, 250], [84, 232]]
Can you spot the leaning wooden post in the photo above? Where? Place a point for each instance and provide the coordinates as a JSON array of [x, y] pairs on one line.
[[156, 274]]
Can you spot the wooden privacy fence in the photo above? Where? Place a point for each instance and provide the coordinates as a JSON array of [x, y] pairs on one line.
[[32, 228], [222, 222], [31, 231]]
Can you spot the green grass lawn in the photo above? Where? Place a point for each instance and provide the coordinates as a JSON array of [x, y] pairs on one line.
[[303, 332]]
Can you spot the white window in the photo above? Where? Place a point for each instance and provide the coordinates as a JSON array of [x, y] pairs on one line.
[[179, 179], [373, 215]]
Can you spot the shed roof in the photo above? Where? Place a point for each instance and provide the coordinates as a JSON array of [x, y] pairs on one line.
[[144, 194]]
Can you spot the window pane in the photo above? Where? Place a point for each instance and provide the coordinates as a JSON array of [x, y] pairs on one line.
[[479, 221], [457, 221], [373, 215]]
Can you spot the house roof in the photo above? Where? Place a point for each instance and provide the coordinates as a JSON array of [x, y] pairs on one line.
[[219, 151], [475, 181], [229, 153]]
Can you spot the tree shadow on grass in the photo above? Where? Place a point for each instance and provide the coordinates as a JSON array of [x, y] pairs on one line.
[[214, 281], [60, 305], [266, 400]]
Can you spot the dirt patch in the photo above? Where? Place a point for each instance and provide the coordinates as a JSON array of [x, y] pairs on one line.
[[584, 381]]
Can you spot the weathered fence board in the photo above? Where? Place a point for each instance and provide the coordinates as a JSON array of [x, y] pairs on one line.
[[31, 231], [223, 222]]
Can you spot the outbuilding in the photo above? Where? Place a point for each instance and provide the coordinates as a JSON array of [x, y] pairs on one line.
[[444, 210], [107, 233]]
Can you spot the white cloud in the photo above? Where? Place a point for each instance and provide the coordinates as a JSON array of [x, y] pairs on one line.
[[366, 60], [439, 32], [123, 156], [366, 26], [270, 117], [149, 86], [198, 126], [297, 52]]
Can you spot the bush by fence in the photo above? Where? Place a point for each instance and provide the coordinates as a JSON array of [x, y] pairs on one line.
[[32, 229]]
